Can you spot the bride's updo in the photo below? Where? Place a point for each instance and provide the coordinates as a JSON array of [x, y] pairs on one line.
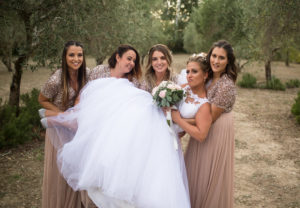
[[201, 60]]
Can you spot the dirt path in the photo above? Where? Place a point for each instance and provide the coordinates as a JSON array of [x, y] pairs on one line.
[[267, 159]]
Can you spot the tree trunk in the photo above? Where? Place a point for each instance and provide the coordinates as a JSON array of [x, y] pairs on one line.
[[287, 61], [7, 62], [268, 70], [240, 66], [14, 95], [100, 60]]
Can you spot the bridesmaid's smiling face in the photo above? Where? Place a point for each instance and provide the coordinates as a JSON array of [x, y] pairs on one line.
[[195, 75], [159, 62], [127, 61], [74, 57], [218, 60]]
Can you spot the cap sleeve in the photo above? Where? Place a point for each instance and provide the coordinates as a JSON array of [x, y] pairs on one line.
[[225, 94], [52, 86], [99, 71]]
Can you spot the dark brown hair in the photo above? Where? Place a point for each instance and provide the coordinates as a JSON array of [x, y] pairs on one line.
[[231, 68], [65, 77], [136, 72]]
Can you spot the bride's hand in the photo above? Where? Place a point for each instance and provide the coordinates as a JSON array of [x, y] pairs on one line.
[[176, 116], [165, 109]]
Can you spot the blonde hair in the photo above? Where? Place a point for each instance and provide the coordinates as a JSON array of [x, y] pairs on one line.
[[150, 77], [201, 60]]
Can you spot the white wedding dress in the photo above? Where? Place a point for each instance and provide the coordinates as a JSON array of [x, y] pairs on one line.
[[189, 106], [116, 144]]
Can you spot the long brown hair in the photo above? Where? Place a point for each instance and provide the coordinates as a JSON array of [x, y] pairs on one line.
[[65, 77], [231, 68], [150, 77], [136, 72]]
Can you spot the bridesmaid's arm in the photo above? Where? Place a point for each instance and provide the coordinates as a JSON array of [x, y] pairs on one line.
[[47, 104], [77, 100], [216, 112], [203, 121]]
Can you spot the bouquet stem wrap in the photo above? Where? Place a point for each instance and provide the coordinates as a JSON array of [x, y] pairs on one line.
[[170, 123]]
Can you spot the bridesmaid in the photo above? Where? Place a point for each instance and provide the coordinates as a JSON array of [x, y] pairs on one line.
[[129, 68], [158, 67], [210, 162], [120, 65], [58, 94]]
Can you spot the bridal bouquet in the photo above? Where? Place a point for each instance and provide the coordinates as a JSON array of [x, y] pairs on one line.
[[167, 94]]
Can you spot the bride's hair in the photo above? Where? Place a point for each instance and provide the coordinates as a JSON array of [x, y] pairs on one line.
[[201, 60], [136, 72]]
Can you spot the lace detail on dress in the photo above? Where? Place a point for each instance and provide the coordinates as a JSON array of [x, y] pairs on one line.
[[193, 98], [223, 93], [191, 104]]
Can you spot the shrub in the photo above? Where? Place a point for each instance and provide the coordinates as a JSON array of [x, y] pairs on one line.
[[248, 81], [296, 108], [15, 129], [293, 83], [274, 84]]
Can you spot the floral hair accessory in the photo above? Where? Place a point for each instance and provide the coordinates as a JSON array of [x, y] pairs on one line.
[[202, 55]]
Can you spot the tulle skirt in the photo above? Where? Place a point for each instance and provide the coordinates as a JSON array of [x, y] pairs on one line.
[[116, 144]]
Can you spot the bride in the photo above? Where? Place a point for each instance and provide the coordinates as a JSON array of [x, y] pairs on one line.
[[116, 144]]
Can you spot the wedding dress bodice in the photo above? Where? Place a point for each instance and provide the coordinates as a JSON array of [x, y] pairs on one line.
[[189, 106]]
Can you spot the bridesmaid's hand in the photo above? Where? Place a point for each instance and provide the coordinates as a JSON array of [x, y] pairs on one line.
[[49, 113], [181, 134]]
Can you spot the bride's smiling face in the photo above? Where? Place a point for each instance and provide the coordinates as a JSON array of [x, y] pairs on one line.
[[127, 61]]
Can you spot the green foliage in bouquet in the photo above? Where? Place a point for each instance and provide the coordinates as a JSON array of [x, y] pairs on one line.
[[296, 108], [18, 128], [167, 94]]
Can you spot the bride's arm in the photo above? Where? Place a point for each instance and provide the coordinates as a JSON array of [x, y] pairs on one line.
[[191, 121], [203, 120]]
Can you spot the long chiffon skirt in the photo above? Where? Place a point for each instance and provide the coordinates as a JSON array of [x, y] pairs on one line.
[[210, 166], [122, 151], [56, 192]]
